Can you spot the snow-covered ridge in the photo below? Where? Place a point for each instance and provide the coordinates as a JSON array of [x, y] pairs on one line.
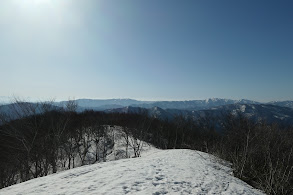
[[156, 172]]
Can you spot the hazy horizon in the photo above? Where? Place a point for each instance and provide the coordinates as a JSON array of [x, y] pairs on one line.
[[147, 50], [8, 99]]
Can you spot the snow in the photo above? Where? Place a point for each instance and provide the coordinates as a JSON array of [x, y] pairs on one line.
[[242, 108], [118, 150], [156, 172]]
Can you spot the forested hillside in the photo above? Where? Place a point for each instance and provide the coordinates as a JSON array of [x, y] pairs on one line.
[[45, 142]]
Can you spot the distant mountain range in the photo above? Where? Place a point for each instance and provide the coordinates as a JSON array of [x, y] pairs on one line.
[[97, 104], [277, 111], [23, 109], [104, 104], [288, 104], [194, 104], [256, 112], [191, 105]]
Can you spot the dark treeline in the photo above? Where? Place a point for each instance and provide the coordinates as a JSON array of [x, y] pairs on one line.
[[38, 144]]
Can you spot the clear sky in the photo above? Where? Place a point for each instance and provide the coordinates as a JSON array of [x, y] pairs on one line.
[[148, 50]]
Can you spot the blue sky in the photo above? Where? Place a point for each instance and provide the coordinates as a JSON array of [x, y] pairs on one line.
[[148, 50]]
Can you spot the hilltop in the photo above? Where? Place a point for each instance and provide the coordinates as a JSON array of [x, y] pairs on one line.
[[156, 172]]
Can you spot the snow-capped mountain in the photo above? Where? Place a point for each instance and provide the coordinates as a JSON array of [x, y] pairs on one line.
[[279, 112], [101, 105], [106, 104], [288, 104], [256, 112], [194, 104]]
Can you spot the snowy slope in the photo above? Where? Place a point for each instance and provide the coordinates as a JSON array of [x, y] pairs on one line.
[[156, 172]]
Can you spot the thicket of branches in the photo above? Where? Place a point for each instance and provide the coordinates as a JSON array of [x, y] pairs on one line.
[[41, 141], [261, 154]]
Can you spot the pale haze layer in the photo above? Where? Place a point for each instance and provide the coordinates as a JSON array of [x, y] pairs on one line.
[[150, 50]]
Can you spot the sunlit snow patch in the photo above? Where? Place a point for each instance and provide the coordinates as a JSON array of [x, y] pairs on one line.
[[156, 172]]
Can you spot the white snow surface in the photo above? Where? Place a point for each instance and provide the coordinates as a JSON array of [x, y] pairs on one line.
[[156, 172]]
